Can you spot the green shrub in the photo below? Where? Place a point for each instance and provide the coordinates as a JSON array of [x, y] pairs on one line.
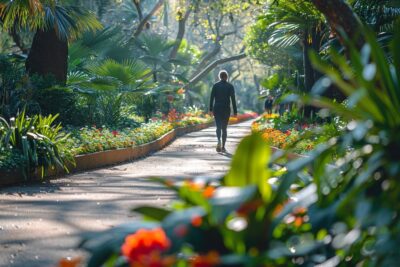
[[38, 140], [11, 159]]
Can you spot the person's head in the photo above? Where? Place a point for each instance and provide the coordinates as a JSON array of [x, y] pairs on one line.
[[223, 75]]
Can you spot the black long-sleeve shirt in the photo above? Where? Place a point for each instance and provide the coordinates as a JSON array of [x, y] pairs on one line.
[[222, 95]]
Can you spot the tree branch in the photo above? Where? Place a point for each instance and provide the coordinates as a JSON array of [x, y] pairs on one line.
[[181, 33], [138, 9], [208, 57], [146, 19], [211, 66]]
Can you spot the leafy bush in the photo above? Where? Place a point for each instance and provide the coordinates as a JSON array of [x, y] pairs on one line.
[[37, 140], [347, 214], [11, 159]]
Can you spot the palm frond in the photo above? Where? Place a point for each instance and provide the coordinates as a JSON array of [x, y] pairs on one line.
[[68, 21]]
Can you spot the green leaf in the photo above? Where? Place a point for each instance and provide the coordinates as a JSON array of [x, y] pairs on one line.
[[249, 165], [153, 213]]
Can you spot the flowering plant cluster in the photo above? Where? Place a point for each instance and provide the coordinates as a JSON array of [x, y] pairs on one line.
[[92, 139], [235, 221], [243, 117], [95, 139], [289, 139]]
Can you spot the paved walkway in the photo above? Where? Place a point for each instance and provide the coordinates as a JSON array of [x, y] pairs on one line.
[[41, 223]]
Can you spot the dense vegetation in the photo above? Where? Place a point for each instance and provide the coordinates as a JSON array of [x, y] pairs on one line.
[[113, 75]]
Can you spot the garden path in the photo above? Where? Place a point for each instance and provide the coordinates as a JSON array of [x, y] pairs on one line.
[[41, 223]]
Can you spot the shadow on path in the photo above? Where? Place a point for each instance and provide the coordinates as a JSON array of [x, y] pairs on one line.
[[42, 222]]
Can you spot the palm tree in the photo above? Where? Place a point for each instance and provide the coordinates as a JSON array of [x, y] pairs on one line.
[[108, 84], [297, 22], [54, 25], [155, 51]]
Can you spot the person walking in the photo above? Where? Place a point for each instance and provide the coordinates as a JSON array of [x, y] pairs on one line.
[[268, 105], [222, 96]]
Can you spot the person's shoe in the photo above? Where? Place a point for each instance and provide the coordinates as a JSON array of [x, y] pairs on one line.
[[223, 150], [219, 149]]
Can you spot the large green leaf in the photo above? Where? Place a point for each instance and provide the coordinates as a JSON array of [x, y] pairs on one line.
[[249, 165]]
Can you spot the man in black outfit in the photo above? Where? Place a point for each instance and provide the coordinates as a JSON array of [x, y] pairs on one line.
[[268, 104], [222, 95]]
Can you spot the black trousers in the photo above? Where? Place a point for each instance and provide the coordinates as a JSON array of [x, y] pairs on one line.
[[221, 116]]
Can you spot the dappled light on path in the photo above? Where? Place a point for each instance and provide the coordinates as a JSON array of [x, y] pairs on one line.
[[40, 223]]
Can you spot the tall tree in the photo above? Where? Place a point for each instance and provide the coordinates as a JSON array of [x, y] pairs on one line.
[[54, 25]]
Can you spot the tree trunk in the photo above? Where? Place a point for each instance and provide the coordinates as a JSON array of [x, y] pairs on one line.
[[308, 69], [341, 17], [309, 78], [48, 56]]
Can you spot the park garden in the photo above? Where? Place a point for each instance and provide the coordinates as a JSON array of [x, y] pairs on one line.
[[315, 183]]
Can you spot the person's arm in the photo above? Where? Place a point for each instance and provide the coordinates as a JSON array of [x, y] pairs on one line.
[[233, 99], [212, 98]]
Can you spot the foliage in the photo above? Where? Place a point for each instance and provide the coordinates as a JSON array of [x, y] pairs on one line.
[[10, 75], [106, 87], [11, 159], [37, 140], [68, 21], [346, 214]]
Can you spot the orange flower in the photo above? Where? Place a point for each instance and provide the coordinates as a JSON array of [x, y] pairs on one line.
[[277, 210], [209, 192], [298, 221], [141, 244], [181, 91], [192, 186], [69, 262], [249, 207], [209, 260], [197, 221], [154, 259]]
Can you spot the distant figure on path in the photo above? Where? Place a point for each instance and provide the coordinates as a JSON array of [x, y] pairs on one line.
[[268, 104], [222, 94]]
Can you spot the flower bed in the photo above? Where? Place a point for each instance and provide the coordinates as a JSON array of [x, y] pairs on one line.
[[243, 117], [288, 139], [91, 139], [296, 136], [95, 148]]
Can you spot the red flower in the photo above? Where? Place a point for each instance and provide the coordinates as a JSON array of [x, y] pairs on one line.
[[69, 262], [115, 133], [209, 260], [197, 221], [144, 243]]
